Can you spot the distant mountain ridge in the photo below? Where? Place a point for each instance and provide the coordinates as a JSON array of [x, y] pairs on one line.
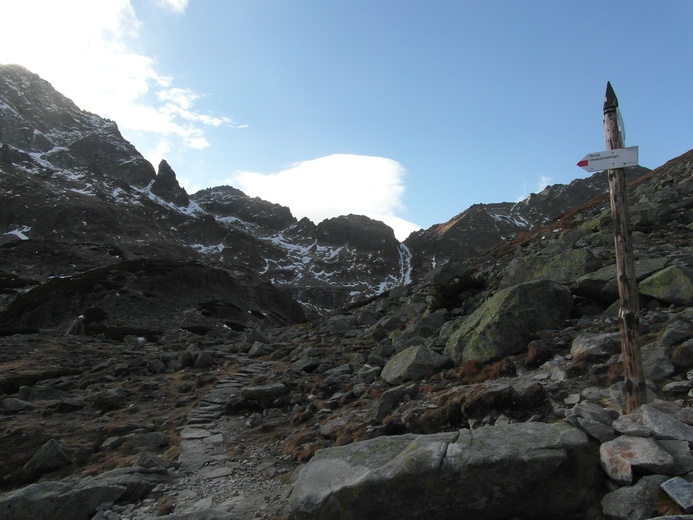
[[483, 226], [68, 176]]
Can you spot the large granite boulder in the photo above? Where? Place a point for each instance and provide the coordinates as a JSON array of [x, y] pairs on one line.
[[503, 325], [536, 470], [671, 285], [601, 285]]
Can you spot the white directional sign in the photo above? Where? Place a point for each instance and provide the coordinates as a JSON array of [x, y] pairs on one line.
[[610, 160]]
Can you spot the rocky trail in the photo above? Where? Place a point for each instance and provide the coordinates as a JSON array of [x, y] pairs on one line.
[[218, 475], [212, 460]]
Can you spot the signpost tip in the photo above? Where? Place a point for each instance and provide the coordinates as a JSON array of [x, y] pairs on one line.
[[610, 99]]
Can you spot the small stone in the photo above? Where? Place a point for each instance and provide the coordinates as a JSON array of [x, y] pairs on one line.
[[680, 491], [572, 399], [17, 405], [631, 425], [677, 387]]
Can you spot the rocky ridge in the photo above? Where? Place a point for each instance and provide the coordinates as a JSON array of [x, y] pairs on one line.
[[69, 177]]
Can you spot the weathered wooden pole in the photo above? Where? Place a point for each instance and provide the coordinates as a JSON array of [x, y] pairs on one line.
[[629, 314]]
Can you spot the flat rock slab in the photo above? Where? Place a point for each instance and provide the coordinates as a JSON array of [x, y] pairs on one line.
[[194, 433], [529, 468], [665, 426], [680, 491], [223, 471], [620, 456]]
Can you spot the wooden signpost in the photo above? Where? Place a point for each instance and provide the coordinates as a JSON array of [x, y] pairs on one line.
[[629, 314], [615, 158]]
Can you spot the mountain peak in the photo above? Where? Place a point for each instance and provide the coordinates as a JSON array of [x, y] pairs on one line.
[[166, 186]]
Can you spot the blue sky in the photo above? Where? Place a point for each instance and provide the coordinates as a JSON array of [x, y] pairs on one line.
[[405, 110]]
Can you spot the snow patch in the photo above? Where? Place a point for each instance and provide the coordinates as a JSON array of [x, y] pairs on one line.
[[20, 232]]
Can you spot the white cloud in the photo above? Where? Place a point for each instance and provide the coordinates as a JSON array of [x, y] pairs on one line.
[[177, 6], [542, 183], [87, 50], [335, 185]]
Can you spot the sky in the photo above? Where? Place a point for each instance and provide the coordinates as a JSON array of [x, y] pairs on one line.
[[407, 111]]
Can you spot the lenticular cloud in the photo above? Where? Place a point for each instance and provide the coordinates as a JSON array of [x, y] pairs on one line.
[[338, 184]]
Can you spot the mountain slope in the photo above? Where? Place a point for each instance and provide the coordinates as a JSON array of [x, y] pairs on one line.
[[482, 226], [67, 176]]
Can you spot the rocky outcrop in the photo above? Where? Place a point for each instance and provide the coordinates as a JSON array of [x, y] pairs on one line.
[[233, 206], [79, 499], [36, 118], [148, 297], [166, 186]]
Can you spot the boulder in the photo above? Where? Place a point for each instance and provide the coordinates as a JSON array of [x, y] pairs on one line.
[[413, 364], [390, 399], [264, 392], [566, 266], [665, 426], [17, 405], [625, 453], [656, 363], [536, 470], [671, 285], [69, 499], [591, 346], [680, 491], [503, 325], [110, 399], [601, 285], [49, 457], [637, 502]]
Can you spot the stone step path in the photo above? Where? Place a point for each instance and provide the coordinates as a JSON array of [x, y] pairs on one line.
[[218, 476]]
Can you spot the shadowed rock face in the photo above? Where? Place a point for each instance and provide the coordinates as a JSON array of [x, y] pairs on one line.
[[37, 119], [166, 186], [152, 295]]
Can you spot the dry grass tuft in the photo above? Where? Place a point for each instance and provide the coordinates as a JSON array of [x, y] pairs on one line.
[[166, 506], [682, 357], [666, 506], [475, 372], [538, 353], [470, 369]]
